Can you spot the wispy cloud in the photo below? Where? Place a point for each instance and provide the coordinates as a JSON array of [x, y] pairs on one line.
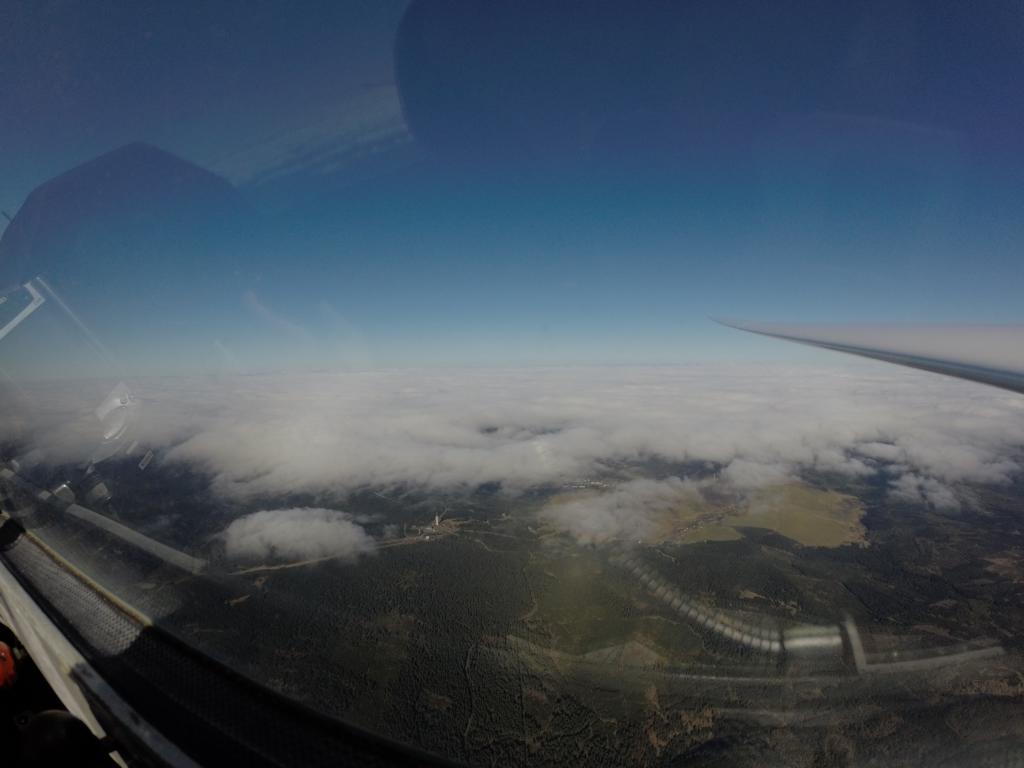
[[367, 123], [627, 511], [274, 318]]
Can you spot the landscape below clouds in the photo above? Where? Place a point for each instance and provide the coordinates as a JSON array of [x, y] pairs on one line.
[[752, 425]]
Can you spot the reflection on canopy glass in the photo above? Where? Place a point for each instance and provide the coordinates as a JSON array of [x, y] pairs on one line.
[[364, 350]]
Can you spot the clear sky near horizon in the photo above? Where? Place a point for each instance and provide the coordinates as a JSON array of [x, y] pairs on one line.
[[442, 185]]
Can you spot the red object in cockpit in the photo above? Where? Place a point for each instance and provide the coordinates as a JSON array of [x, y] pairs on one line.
[[7, 671]]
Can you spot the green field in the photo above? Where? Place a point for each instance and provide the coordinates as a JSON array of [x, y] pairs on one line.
[[810, 516], [583, 606]]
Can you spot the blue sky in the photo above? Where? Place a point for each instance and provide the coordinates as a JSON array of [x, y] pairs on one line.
[[546, 187]]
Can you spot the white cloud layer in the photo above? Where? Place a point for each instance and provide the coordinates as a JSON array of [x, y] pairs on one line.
[[760, 423], [295, 534]]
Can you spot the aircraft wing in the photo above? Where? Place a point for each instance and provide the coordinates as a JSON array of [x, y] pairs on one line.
[[990, 354]]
